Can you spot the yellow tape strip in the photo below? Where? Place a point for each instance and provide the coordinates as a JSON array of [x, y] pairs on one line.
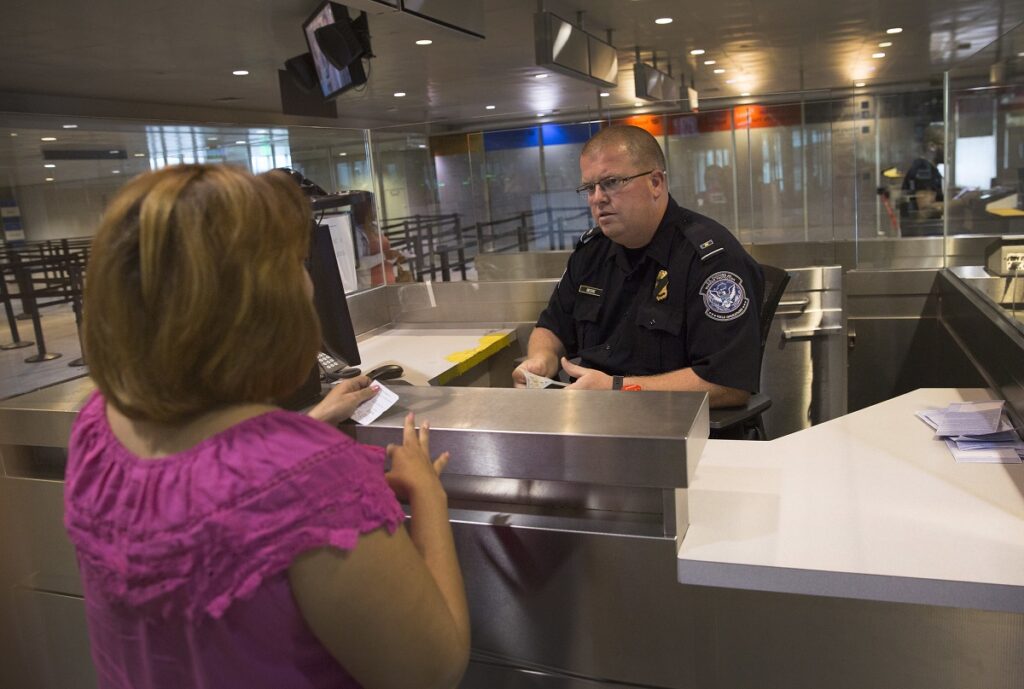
[[468, 358]]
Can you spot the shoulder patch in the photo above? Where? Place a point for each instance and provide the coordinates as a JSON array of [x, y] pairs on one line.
[[587, 236], [725, 299]]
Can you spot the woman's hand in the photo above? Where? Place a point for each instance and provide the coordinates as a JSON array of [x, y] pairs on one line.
[[413, 474], [343, 399]]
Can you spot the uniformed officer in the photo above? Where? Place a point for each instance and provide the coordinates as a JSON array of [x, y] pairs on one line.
[[655, 296]]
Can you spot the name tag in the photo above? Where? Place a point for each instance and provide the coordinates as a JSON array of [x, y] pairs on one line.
[[592, 291]]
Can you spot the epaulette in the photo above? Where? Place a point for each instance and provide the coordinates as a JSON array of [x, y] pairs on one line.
[[587, 236], [704, 242]]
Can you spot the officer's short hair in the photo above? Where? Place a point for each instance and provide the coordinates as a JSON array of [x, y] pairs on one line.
[[642, 147]]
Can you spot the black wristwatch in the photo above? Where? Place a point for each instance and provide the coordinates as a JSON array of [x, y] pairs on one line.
[[616, 382]]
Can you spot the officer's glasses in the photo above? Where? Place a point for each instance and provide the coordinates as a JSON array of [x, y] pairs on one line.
[[609, 185]]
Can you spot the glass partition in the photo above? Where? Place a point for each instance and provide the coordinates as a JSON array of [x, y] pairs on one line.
[[984, 143]]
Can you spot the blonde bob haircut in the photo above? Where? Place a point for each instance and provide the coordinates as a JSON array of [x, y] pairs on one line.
[[195, 296]]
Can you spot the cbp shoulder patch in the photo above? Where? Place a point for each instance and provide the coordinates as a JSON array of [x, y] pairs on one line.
[[725, 299]]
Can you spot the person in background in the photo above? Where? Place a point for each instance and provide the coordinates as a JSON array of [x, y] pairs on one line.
[[655, 296], [222, 541], [385, 260]]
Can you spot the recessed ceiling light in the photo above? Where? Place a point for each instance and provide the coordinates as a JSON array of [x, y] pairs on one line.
[[48, 138], [489, 107], [115, 172], [49, 165], [638, 104], [139, 155], [697, 51], [399, 94], [719, 71], [422, 145], [424, 41], [604, 94], [540, 114], [69, 126], [885, 44], [745, 94], [49, 179], [211, 138], [710, 62], [113, 152], [241, 72], [878, 56], [730, 81], [860, 84], [239, 142], [893, 30], [542, 75], [663, 20], [14, 133]]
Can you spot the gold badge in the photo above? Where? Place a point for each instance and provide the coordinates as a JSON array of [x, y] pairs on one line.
[[661, 286]]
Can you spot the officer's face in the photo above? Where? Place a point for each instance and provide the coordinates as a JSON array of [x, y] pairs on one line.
[[630, 215]]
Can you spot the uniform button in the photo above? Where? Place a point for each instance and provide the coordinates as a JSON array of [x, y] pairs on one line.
[[652, 322], [607, 348]]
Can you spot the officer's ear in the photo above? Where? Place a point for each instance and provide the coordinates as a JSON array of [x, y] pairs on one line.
[[659, 183]]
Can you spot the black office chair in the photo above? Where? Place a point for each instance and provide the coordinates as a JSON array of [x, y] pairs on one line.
[[745, 423]]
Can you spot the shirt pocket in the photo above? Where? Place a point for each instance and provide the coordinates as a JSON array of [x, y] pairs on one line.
[[585, 312], [660, 347]]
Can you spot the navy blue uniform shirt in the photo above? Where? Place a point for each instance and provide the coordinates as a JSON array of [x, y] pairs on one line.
[[690, 298]]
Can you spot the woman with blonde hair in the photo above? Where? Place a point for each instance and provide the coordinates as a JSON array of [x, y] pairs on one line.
[[222, 541]]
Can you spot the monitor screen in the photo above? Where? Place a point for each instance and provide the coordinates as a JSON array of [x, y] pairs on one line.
[[339, 337], [333, 81]]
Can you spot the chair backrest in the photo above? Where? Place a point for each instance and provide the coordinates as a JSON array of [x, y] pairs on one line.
[[775, 281]]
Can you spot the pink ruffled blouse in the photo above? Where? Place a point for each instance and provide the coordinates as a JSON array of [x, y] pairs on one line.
[[184, 558]]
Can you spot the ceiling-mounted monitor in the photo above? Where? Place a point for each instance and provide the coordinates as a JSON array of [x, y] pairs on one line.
[[564, 47], [653, 84], [334, 39]]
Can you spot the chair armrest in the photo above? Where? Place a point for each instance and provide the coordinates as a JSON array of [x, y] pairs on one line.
[[727, 417]]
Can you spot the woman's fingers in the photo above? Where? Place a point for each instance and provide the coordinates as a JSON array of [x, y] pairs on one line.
[[425, 437], [441, 462], [409, 432]]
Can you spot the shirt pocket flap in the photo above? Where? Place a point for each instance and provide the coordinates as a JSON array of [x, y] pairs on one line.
[[660, 317], [586, 308]]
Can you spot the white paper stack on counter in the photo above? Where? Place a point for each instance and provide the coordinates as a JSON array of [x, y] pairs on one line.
[[976, 432]]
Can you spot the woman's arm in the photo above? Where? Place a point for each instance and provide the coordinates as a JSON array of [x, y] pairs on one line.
[[393, 608]]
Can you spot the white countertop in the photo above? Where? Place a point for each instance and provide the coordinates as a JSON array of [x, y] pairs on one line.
[[433, 356], [868, 505]]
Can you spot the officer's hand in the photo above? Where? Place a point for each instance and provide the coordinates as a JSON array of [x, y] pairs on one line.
[[537, 366], [586, 378]]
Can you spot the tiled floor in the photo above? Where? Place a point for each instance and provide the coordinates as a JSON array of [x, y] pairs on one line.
[[60, 336]]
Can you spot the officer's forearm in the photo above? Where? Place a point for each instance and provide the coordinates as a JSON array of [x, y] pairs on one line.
[[685, 379], [546, 346]]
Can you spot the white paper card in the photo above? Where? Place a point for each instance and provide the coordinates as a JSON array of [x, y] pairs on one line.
[[534, 381], [371, 409]]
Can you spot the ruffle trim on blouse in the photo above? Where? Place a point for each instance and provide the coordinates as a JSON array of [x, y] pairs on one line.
[[201, 566]]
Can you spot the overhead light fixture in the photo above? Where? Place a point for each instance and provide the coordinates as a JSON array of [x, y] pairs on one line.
[[49, 165], [49, 179], [542, 75], [697, 51], [663, 20], [885, 44], [894, 30], [730, 81], [710, 62], [878, 56], [424, 41], [719, 71], [745, 94], [14, 133], [69, 126], [399, 94], [540, 114], [139, 155], [113, 151], [604, 94], [637, 104], [343, 153], [115, 172], [48, 138], [860, 84], [422, 145], [211, 138], [241, 72], [489, 107], [239, 142]]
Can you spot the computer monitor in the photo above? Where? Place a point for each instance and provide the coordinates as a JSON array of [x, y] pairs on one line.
[[347, 42], [339, 337]]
